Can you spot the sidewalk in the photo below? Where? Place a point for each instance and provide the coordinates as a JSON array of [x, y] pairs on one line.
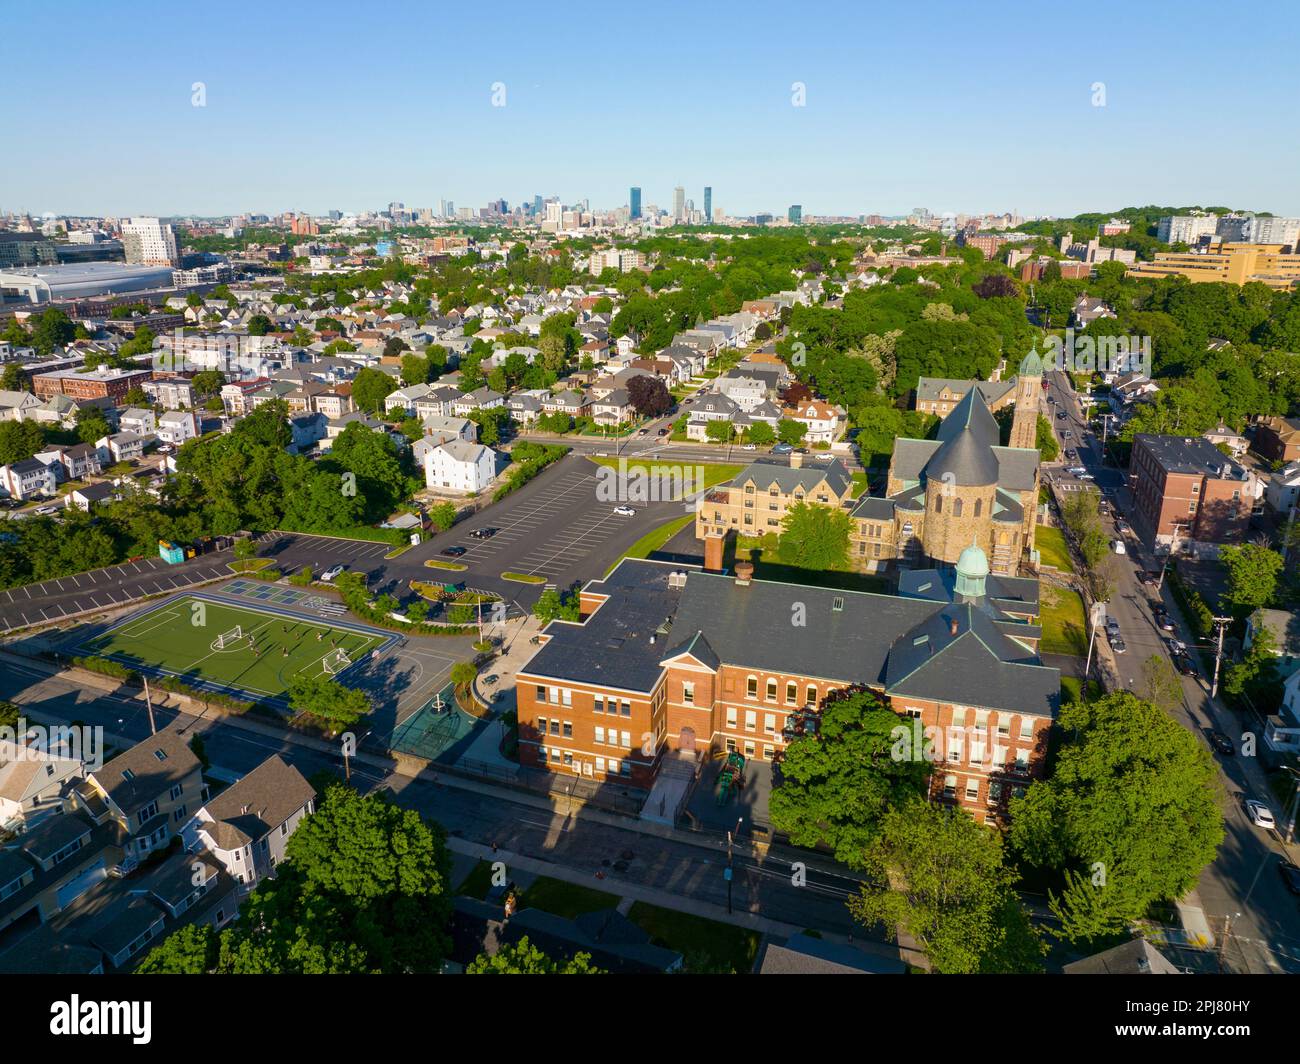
[[633, 892]]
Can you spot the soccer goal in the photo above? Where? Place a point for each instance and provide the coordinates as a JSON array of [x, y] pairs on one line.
[[335, 661], [228, 639]]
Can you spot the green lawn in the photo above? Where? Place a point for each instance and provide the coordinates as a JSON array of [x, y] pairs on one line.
[[565, 899], [1072, 690], [1050, 542], [477, 882], [675, 474], [179, 637], [655, 539], [1065, 624], [705, 944]]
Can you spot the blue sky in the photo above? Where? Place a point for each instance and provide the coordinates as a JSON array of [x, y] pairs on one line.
[[953, 106]]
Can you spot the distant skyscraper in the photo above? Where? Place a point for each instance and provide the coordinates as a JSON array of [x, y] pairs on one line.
[[537, 206], [708, 203], [795, 214], [636, 203], [679, 203], [149, 242]]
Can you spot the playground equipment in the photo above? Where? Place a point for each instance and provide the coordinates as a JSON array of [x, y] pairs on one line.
[[731, 777]]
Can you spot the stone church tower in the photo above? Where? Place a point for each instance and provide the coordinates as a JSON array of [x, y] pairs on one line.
[[1029, 387]]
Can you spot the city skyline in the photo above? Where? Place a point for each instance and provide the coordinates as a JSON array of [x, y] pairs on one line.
[[845, 122]]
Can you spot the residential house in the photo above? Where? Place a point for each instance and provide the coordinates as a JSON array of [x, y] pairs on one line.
[[708, 408], [307, 430], [85, 497], [460, 466], [17, 406], [248, 825], [401, 403], [1277, 439], [148, 792], [614, 409], [479, 399], [938, 395], [1283, 489], [178, 426], [138, 420], [32, 782], [28, 479], [120, 447], [823, 422]]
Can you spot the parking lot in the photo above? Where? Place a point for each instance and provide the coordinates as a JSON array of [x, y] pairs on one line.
[[105, 588]]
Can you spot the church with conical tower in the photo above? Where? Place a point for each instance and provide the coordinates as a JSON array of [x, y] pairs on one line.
[[960, 488]]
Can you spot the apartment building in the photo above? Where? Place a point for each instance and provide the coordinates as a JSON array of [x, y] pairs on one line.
[[101, 383], [755, 502], [1277, 439], [1187, 493], [1186, 228], [938, 395], [149, 242], [680, 662]]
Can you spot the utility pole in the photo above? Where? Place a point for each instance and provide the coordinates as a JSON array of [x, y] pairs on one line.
[[1221, 623], [1098, 608], [1173, 550], [1295, 805], [148, 702]]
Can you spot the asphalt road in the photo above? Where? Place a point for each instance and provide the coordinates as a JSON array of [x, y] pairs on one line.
[[1241, 888]]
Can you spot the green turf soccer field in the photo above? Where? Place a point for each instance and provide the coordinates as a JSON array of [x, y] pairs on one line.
[[181, 638]]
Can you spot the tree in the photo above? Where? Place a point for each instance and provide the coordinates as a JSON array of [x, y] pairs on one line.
[[365, 887], [443, 515], [328, 701], [815, 537], [245, 549], [12, 378], [551, 606], [649, 396], [1253, 572], [260, 325], [935, 874], [462, 674], [19, 440], [1160, 683], [415, 369], [1045, 440], [719, 430], [838, 784], [370, 388], [190, 950], [92, 425], [761, 434], [53, 329], [523, 958], [1129, 817], [791, 432], [9, 715]]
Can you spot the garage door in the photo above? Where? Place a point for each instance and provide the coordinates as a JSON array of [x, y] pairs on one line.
[[74, 888]]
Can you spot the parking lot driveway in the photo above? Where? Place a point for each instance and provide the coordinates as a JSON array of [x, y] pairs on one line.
[[107, 588]]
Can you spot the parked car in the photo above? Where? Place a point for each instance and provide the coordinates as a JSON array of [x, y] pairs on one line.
[[454, 552], [1185, 665], [624, 511], [1290, 875], [688, 402], [825, 456], [1119, 547], [329, 574], [642, 432], [1112, 626], [1118, 646], [1222, 743], [1077, 470], [662, 432], [1084, 476], [782, 448], [484, 533], [749, 447], [1162, 619], [1260, 815], [1060, 415], [1120, 526], [43, 510]]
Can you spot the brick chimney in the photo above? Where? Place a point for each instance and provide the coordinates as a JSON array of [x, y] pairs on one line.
[[796, 460], [953, 626], [714, 547], [744, 573]]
